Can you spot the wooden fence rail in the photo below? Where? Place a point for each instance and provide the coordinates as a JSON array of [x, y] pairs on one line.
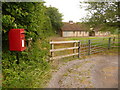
[[62, 49], [53, 50], [77, 47], [115, 42]]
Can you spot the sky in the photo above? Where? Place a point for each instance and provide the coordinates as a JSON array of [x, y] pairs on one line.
[[70, 9]]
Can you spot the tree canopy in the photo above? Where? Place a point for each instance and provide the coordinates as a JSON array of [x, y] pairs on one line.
[[55, 18], [102, 13], [37, 19]]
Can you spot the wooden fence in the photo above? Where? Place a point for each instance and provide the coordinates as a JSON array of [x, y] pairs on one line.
[[115, 42], [87, 47], [61, 49]]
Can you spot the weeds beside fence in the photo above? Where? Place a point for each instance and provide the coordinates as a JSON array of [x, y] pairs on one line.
[[61, 49]]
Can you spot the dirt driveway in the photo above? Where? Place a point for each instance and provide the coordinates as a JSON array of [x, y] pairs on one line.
[[100, 71]]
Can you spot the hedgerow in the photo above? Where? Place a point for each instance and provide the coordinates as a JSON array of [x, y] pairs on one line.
[[33, 68]]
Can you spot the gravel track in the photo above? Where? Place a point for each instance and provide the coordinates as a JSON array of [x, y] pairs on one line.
[[95, 72]]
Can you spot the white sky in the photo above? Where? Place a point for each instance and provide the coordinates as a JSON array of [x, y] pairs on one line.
[[69, 8]]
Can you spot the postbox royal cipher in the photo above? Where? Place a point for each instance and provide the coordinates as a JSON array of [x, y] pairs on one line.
[[16, 40]]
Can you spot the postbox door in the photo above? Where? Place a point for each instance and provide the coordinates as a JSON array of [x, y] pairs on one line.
[[17, 40]]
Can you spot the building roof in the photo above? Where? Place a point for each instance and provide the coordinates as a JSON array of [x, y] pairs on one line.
[[71, 27]]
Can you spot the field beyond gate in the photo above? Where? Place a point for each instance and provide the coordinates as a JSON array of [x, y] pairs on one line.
[[61, 49]]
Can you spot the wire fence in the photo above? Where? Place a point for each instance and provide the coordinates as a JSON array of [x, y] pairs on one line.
[[62, 49]]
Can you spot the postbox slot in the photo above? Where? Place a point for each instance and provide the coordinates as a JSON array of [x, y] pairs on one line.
[[22, 35], [23, 38], [22, 32]]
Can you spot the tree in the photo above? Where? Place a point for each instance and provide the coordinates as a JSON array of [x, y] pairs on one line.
[[103, 12], [28, 15], [55, 18], [104, 15]]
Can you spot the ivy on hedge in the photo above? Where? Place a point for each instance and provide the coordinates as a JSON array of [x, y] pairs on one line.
[[31, 70]]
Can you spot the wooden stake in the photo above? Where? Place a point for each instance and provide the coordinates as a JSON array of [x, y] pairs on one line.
[[79, 43]]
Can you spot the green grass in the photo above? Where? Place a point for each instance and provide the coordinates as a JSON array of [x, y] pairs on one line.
[[84, 38], [101, 42], [112, 51], [97, 43], [96, 40]]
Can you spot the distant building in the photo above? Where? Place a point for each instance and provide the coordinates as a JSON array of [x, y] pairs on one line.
[[72, 29]]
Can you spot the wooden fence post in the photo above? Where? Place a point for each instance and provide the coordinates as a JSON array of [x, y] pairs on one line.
[[89, 47], [74, 50], [79, 43], [52, 47], [109, 43], [114, 40]]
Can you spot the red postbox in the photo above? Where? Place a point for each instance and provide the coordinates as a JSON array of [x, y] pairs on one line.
[[17, 40]]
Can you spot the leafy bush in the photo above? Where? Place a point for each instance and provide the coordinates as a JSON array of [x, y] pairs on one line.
[[32, 70], [113, 30]]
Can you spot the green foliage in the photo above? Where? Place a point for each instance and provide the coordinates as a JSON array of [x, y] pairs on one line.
[[55, 18], [28, 15], [103, 14], [113, 30], [30, 70], [33, 69]]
